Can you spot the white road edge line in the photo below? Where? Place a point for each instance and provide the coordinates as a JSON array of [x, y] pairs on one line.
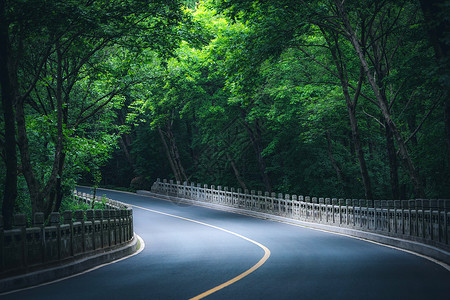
[[141, 248], [438, 262], [234, 279], [442, 264]]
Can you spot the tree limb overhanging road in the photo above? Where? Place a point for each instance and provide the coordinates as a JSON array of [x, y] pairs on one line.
[[190, 250]]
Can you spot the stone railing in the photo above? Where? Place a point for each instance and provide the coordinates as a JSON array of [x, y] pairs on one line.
[[420, 220], [76, 235]]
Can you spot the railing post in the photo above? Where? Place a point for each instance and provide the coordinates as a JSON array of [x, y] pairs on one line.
[[124, 224], [68, 215], [98, 217], [389, 216], [348, 203], [301, 201], [233, 196], [79, 217], [403, 205], [367, 215], [321, 205], [280, 199], [20, 222], [314, 201], [430, 215], [423, 218], [205, 193], [446, 208], [118, 224], [55, 221], [443, 210], [199, 193], [439, 220], [38, 221], [272, 202], [307, 212], [340, 210], [90, 220], [113, 231], [295, 206], [130, 219], [107, 225], [252, 199], [410, 205], [192, 191], [376, 206], [266, 201], [2, 254]]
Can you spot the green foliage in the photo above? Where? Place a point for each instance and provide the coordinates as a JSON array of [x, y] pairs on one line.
[[267, 72], [71, 204], [234, 93], [76, 63]]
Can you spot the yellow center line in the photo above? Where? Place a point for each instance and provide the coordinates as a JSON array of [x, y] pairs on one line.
[[233, 280]]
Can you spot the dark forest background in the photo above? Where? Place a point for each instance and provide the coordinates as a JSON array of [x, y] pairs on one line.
[[320, 98]]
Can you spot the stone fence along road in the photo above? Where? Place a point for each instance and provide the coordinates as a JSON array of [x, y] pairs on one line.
[[27, 252], [420, 225], [194, 249]]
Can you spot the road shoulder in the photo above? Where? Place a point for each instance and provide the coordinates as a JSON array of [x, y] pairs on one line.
[[73, 267], [436, 255]]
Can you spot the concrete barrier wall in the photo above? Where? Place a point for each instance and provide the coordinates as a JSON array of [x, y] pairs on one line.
[[425, 221], [72, 235]]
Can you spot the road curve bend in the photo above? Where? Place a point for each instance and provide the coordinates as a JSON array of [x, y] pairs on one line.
[[194, 252]]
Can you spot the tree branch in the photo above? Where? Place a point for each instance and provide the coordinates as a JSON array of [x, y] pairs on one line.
[[373, 117], [335, 74], [423, 120]]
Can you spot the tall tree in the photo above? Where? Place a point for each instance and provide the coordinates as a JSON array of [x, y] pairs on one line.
[[74, 39], [334, 42], [436, 20], [376, 43], [285, 94], [380, 96], [8, 100]]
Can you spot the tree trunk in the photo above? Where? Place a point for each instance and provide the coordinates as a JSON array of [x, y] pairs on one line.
[[8, 97], [169, 157], [55, 197], [332, 160], [176, 154], [255, 138], [37, 193], [125, 145], [393, 163], [27, 169], [172, 153], [358, 148], [351, 108], [412, 127], [406, 158], [351, 145], [447, 126], [438, 30], [236, 172]]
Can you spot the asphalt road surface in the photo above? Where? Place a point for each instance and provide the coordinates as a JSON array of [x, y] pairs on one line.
[[191, 250]]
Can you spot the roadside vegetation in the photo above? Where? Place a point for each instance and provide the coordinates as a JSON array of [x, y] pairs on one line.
[[320, 98]]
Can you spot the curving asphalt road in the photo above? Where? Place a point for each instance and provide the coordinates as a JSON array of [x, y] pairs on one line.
[[190, 250]]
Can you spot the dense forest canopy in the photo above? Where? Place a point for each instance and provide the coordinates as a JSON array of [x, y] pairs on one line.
[[328, 98]]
